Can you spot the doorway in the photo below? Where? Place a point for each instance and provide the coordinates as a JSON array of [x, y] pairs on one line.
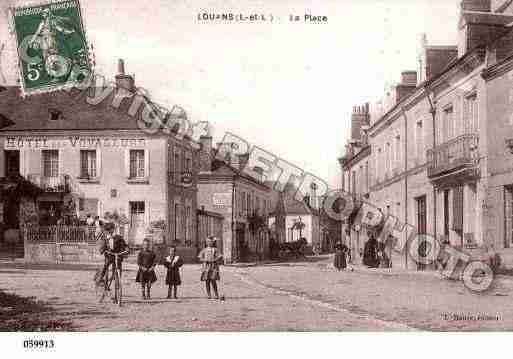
[[12, 163], [420, 203], [240, 240], [137, 223]]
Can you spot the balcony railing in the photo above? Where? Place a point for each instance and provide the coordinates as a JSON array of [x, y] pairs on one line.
[[61, 183], [455, 154]]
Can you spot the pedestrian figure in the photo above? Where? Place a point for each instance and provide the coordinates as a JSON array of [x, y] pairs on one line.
[[173, 263], [210, 258], [146, 273], [340, 256], [370, 252]]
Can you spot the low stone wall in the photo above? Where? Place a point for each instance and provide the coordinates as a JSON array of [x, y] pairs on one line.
[[37, 252]]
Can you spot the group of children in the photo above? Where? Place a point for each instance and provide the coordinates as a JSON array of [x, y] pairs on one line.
[[147, 261]]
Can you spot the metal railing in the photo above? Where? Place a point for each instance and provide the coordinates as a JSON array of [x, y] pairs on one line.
[[60, 183], [57, 234], [459, 152]]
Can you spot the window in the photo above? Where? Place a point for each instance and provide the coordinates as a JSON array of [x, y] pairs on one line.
[[137, 164], [187, 161], [421, 214], [378, 164], [397, 151], [470, 117], [177, 164], [177, 221], [248, 200], [50, 163], [387, 159], [419, 141], [243, 199], [353, 184], [187, 222], [257, 205], [366, 177], [447, 127], [88, 164], [137, 214], [446, 212], [12, 163]]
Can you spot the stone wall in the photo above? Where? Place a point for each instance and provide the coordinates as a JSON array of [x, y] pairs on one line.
[[37, 252]]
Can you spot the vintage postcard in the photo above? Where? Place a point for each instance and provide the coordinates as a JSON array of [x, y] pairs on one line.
[[249, 166]]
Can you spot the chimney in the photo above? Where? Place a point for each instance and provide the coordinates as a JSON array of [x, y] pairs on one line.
[[205, 155], [242, 159], [122, 80], [409, 78], [359, 118]]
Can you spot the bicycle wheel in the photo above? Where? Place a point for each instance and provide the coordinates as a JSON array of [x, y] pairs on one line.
[[118, 287]]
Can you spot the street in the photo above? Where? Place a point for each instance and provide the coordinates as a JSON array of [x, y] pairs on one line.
[[288, 296]]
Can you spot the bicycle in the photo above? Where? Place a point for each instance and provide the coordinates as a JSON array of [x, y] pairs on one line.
[[102, 286]]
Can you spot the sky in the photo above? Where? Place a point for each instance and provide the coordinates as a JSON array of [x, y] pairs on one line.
[[288, 87]]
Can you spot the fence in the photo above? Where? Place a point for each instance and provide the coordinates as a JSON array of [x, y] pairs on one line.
[[59, 234]]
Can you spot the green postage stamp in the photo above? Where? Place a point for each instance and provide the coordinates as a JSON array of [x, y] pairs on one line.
[[52, 46]]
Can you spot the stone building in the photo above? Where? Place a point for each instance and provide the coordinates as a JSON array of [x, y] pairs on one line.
[[93, 157], [295, 219], [436, 156], [242, 200]]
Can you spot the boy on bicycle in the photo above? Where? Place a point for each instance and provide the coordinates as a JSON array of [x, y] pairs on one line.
[[111, 244]]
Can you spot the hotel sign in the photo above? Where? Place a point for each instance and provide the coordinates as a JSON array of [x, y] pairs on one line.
[[43, 142]]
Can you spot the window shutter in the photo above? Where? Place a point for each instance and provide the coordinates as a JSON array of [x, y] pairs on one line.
[[127, 163], [457, 224], [83, 163], [147, 163], [98, 163]]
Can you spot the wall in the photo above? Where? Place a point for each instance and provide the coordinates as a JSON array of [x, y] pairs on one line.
[[185, 196], [37, 252], [498, 158]]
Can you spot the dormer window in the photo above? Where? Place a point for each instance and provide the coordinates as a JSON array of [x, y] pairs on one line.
[[54, 114]]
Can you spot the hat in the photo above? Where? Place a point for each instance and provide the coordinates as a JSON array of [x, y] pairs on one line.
[[210, 240], [109, 226]]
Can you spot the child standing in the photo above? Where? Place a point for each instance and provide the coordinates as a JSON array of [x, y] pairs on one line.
[[173, 262], [146, 274], [210, 258]]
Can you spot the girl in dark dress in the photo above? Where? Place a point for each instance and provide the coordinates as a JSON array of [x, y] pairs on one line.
[[340, 256], [146, 273], [210, 258], [370, 252], [173, 262]]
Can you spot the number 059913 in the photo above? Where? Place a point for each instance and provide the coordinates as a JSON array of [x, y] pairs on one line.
[[38, 344]]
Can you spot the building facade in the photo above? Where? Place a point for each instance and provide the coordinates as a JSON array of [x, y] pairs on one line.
[[92, 158], [243, 201], [436, 155]]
